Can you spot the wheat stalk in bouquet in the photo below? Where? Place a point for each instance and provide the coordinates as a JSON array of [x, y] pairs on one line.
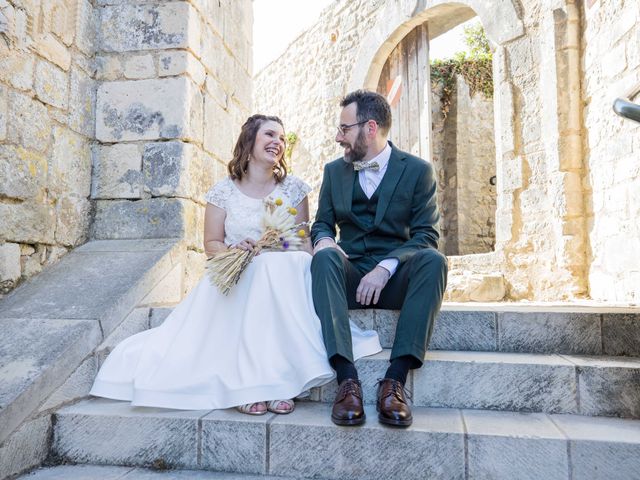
[[281, 232]]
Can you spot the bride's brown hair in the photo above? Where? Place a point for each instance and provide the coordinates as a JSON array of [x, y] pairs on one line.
[[244, 146]]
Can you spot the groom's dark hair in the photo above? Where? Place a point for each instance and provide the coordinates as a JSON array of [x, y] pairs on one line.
[[370, 106]]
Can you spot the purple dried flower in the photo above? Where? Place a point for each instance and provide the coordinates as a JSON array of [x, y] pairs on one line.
[[285, 245]]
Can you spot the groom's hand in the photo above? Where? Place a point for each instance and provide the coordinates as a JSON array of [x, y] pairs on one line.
[[327, 243], [371, 286]]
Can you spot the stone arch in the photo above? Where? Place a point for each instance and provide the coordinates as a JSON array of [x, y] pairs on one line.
[[499, 18]]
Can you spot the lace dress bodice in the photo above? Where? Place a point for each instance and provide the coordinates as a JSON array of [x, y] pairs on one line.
[[244, 213]]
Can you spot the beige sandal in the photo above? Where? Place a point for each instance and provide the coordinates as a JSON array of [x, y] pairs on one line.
[[274, 406], [246, 408]]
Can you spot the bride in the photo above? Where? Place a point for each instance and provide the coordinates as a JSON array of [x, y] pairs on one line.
[[257, 347]]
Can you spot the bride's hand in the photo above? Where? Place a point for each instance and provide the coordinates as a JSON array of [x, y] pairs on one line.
[[248, 244]]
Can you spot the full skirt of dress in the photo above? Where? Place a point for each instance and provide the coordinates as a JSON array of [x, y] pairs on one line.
[[262, 341]]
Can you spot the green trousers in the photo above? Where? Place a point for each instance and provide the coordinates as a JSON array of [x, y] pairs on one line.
[[416, 289]]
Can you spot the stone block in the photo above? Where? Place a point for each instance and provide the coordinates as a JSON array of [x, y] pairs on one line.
[[563, 332], [146, 110], [608, 387], [75, 387], [86, 25], [178, 62], [28, 123], [218, 136], [16, 69], [110, 432], [52, 84], [109, 67], [10, 269], [26, 448], [117, 171], [601, 448], [496, 381], [233, 442], [33, 364], [460, 330], [168, 169], [82, 112], [385, 323], [71, 152], [28, 222], [152, 218], [53, 50], [4, 102], [23, 172], [139, 66], [168, 291], [621, 334], [131, 27], [72, 220], [523, 446], [306, 444]]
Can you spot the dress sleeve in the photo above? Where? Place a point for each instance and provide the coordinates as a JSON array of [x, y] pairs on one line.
[[219, 194], [297, 190]]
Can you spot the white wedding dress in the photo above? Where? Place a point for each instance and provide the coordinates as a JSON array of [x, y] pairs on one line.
[[262, 341]]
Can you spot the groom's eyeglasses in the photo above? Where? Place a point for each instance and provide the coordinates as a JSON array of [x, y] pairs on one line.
[[343, 129]]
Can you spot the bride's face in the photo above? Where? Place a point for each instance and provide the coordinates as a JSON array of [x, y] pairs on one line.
[[268, 147]]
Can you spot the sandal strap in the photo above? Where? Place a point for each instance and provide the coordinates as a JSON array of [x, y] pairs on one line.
[[246, 408], [275, 404]]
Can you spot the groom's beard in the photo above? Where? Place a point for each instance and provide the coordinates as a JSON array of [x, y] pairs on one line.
[[357, 151]]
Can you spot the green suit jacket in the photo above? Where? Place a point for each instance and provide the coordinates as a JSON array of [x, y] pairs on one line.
[[406, 218]]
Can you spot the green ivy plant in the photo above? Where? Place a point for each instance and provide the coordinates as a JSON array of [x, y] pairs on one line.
[[475, 67]]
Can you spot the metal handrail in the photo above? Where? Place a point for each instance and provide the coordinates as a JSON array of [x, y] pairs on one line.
[[627, 109]]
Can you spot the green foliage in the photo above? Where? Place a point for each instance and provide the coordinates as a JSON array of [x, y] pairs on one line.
[[475, 67]]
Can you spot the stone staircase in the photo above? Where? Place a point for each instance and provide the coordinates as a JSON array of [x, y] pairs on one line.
[[506, 392]]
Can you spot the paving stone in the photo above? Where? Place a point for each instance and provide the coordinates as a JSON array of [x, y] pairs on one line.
[[514, 445], [232, 442], [75, 387], [601, 448], [496, 381], [158, 316], [32, 365], [26, 448], [553, 332], [110, 432], [621, 334]]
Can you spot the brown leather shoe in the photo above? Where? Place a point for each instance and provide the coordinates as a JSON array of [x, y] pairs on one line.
[[392, 404], [347, 407]]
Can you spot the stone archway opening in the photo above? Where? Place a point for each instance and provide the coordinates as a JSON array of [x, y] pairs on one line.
[[440, 114]]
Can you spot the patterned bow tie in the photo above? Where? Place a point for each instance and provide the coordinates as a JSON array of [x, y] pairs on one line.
[[371, 165]]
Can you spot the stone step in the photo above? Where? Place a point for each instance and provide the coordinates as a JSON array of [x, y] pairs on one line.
[[502, 327], [103, 472], [53, 324], [509, 328], [596, 386], [441, 443]]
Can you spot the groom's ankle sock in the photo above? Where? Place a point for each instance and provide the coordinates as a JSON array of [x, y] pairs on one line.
[[400, 367], [344, 368]]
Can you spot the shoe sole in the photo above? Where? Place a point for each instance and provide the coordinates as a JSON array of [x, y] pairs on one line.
[[395, 423], [348, 422]]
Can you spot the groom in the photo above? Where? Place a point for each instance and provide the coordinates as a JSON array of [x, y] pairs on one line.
[[384, 202]]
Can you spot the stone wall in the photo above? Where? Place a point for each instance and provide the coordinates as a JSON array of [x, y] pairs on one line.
[[464, 161], [115, 118], [47, 101], [611, 58], [175, 87], [543, 234]]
